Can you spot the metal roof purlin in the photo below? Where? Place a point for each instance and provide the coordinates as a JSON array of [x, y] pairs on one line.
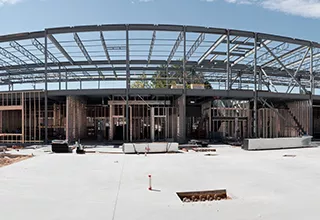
[[266, 42], [14, 58], [212, 48], [84, 52], [289, 53], [151, 47], [195, 46], [51, 57], [105, 48], [60, 48], [175, 47]]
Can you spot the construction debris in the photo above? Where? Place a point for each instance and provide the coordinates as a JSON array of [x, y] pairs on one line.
[[60, 146], [7, 159], [203, 149]]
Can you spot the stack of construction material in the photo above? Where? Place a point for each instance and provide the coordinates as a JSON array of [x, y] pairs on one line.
[[162, 147], [60, 146], [276, 143]]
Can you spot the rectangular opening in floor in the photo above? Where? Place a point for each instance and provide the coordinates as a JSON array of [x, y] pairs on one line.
[[203, 196]]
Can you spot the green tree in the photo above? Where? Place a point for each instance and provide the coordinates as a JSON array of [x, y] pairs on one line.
[[164, 79], [141, 83]]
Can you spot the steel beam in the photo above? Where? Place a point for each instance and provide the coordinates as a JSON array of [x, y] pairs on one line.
[[255, 101], [175, 48], [127, 84], [105, 48], [18, 47], [12, 57], [151, 47], [55, 61], [25, 52], [146, 27], [292, 64], [195, 46], [312, 90], [46, 89], [84, 52], [212, 48], [250, 52], [268, 79], [82, 47], [184, 96], [284, 67], [283, 56], [229, 74], [60, 48], [219, 53], [297, 70], [236, 46], [312, 87]]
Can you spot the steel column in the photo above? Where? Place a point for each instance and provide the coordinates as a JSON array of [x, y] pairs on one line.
[[127, 83], [255, 122], [182, 118], [312, 89], [59, 77], [228, 61], [46, 87], [312, 86], [66, 80], [260, 81]]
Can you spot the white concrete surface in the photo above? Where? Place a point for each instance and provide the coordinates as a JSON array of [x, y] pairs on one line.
[[156, 147], [278, 143], [263, 185]]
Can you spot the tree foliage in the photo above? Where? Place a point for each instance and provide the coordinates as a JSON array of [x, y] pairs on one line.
[[142, 83], [164, 79]]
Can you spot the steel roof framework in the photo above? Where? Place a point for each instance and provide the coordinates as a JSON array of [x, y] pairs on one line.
[[220, 54]]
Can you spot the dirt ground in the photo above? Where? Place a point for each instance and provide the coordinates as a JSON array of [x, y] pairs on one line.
[[7, 159]]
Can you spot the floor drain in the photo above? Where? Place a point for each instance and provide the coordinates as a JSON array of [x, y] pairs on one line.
[[203, 196]]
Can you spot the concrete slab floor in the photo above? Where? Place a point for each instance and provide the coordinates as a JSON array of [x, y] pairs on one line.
[[263, 185]]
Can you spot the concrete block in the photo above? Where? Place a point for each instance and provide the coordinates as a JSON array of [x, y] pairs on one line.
[[163, 147], [276, 143]]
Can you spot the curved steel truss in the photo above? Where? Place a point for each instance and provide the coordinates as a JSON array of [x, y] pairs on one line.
[[115, 56]]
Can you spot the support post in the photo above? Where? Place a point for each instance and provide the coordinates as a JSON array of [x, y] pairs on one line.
[[312, 89], [127, 83], [228, 61], [59, 77], [255, 125], [66, 80], [152, 123], [22, 117], [182, 116], [111, 122], [260, 81], [46, 88]]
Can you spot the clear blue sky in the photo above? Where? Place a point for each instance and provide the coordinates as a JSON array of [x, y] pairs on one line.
[[295, 18]]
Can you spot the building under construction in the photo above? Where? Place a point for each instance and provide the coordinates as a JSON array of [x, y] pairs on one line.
[[146, 83]]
